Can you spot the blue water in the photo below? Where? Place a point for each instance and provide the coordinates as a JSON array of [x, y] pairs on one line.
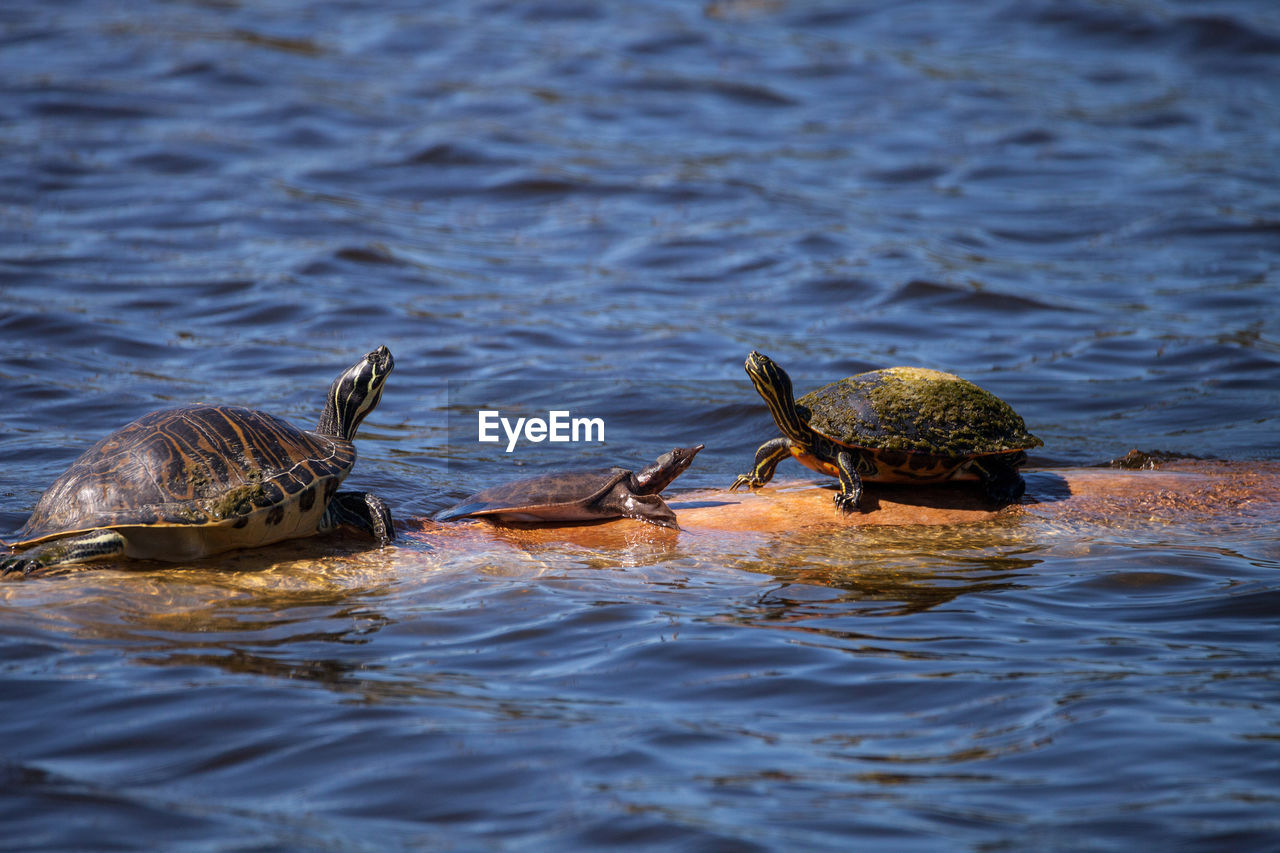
[[605, 207]]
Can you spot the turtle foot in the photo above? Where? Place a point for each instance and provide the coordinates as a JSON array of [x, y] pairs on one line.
[[19, 565], [846, 503], [650, 508], [380, 518], [746, 481], [1005, 489], [362, 511]]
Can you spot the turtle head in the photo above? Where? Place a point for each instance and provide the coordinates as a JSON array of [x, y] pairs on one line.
[[354, 394], [656, 477], [774, 385]]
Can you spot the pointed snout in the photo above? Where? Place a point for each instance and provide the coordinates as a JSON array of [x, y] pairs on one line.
[[381, 360]]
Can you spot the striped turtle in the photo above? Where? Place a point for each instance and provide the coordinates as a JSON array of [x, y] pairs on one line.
[[197, 480], [898, 425], [590, 495]]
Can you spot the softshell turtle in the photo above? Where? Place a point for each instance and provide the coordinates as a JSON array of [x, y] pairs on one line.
[[897, 425], [198, 480], [590, 495]]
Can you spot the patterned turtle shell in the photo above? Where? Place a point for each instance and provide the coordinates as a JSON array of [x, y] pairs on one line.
[[218, 466], [198, 480], [915, 410]]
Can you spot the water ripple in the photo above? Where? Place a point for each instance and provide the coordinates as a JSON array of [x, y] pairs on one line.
[[606, 208]]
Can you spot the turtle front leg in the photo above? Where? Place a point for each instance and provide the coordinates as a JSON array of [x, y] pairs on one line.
[[81, 548], [850, 482], [767, 459], [650, 508], [362, 511], [1000, 478]]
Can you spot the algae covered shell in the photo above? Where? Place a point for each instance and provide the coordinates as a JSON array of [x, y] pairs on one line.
[[915, 410]]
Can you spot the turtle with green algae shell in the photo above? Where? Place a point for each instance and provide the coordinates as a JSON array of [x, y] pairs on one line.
[[897, 425], [184, 483], [590, 495]]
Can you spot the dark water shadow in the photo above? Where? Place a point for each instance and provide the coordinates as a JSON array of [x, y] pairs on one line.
[[1046, 487], [1042, 487]]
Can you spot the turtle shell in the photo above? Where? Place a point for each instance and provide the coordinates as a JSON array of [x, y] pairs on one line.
[[565, 496], [198, 467], [915, 410]]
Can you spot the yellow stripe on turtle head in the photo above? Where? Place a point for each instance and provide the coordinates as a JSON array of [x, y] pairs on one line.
[[774, 385]]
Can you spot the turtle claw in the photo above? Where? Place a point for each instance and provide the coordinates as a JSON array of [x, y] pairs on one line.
[[18, 565], [746, 481], [846, 502]]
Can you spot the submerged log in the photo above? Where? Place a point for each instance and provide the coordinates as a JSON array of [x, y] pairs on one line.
[[787, 525], [1171, 491]]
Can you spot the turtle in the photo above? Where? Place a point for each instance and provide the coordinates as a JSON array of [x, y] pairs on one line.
[[188, 482], [895, 425], [584, 495]]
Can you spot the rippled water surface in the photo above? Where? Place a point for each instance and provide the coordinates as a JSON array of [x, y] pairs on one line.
[[604, 207]]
